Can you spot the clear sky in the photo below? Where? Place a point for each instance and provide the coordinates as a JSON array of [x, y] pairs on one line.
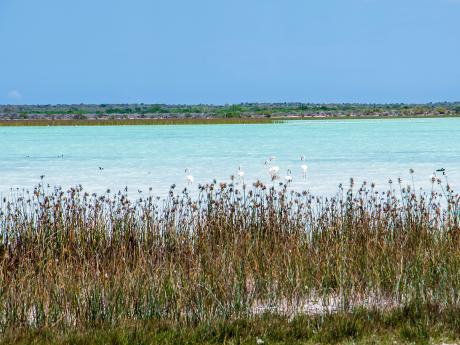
[[215, 51]]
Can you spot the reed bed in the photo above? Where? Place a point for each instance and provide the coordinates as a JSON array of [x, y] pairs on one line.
[[212, 120], [139, 122], [71, 260]]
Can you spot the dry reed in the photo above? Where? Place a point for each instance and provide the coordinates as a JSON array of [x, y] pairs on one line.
[[70, 260]]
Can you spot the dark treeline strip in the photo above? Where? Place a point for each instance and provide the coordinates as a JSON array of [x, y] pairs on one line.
[[114, 111]]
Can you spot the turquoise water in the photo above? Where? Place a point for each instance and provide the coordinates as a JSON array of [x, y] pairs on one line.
[[155, 156]]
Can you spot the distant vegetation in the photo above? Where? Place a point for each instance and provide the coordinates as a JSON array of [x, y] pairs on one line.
[[246, 110]]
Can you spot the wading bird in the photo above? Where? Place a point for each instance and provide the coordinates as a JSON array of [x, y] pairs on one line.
[[273, 171], [442, 170], [188, 177], [304, 167], [240, 173]]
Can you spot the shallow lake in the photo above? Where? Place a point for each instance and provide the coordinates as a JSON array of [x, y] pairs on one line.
[[155, 156]]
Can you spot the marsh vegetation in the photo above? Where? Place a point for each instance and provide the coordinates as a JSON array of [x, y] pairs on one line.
[[229, 253]]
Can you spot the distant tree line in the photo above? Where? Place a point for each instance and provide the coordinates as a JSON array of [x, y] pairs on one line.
[[141, 110]]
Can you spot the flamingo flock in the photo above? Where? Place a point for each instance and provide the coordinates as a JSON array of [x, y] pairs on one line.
[[273, 171]]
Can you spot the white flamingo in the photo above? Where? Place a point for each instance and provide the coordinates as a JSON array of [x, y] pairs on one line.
[[273, 171], [240, 173], [304, 167], [288, 176], [188, 177]]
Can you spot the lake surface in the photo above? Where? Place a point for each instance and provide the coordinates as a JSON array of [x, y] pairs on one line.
[[156, 156]]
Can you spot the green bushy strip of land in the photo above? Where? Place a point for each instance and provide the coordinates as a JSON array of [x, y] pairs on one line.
[[111, 112]]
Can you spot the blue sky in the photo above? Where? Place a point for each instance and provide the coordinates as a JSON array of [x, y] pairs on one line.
[[215, 51]]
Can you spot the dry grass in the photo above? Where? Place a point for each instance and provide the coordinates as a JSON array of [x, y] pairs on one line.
[[70, 260], [138, 122], [211, 120]]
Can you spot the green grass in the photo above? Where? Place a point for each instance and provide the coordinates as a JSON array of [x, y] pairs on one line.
[[401, 326]]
